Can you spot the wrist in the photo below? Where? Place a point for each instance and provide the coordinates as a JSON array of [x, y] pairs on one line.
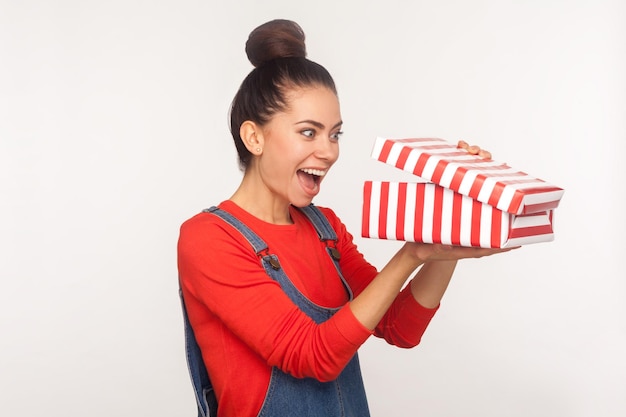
[[410, 256]]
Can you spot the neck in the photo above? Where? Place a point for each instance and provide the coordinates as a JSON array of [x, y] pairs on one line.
[[255, 198]]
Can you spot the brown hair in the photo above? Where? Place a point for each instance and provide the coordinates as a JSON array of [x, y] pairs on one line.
[[278, 52]]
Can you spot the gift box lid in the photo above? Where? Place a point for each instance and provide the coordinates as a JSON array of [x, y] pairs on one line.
[[488, 181]]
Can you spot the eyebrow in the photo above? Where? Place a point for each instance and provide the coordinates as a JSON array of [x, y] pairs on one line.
[[318, 124]]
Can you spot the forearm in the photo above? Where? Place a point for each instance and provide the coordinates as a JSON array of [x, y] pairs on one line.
[[431, 282], [371, 305]]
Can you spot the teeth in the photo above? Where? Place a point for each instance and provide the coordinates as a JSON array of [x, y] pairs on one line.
[[317, 172]]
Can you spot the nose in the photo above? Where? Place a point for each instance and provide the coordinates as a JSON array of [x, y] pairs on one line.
[[327, 149]]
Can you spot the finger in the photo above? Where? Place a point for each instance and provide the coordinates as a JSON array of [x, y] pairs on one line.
[[473, 252], [484, 154], [462, 144], [494, 251], [473, 149]]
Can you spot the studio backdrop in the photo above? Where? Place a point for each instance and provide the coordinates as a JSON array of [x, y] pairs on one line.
[[114, 130]]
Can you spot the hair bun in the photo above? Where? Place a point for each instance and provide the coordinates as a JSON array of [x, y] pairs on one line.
[[275, 39]]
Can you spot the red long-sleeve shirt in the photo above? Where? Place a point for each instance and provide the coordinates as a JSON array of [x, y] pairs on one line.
[[245, 323]]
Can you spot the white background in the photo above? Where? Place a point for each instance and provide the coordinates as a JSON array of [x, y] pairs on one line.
[[113, 130]]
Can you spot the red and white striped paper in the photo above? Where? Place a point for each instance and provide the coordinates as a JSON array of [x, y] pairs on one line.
[[490, 182], [426, 212]]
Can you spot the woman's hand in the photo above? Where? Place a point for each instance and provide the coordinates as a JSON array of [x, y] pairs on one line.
[[474, 150], [426, 252]]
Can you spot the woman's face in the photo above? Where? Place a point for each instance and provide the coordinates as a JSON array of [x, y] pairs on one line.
[[300, 145]]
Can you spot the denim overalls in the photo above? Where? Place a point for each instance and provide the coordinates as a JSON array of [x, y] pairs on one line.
[[286, 395]]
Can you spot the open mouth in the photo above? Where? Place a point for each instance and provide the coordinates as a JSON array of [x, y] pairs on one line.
[[311, 178]]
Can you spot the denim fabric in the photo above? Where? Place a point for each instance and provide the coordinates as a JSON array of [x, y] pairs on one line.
[[203, 389], [287, 395]]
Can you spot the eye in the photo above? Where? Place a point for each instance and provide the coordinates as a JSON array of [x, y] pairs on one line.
[[336, 135], [309, 133]]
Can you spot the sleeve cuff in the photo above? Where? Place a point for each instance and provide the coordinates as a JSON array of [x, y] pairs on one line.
[[411, 306]]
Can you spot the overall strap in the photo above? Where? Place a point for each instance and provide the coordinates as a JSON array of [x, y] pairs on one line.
[[203, 388], [205, 396], [322, 226], [327, 235], [256, 242]]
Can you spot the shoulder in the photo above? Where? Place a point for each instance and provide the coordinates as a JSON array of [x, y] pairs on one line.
[[334, 220], [354, 266], [206, 230], [200, 223], [328, 212], [207, 220]]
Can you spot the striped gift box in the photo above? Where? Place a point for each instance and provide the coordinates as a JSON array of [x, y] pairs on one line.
[[469, 201]]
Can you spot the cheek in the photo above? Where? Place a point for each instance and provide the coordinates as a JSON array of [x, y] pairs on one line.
[[277, 164]]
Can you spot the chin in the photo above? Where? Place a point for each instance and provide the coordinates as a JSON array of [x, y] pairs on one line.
[[301, 202]]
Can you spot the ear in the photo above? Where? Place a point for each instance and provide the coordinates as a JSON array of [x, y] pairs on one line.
[[252, 137]]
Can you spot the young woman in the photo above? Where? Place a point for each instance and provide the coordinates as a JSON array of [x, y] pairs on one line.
[[277, 294]]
